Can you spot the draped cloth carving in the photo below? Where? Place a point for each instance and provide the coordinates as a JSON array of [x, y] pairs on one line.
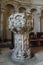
[[21, 25]]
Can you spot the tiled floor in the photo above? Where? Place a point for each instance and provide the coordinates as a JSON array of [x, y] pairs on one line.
[[6, 60]]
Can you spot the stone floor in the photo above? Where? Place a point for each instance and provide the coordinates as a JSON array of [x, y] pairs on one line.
[[5, 58]]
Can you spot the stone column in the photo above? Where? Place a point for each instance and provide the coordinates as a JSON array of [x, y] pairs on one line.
[[41, 23], [36, 16], [0, 21], [4, 25], [2, 11]]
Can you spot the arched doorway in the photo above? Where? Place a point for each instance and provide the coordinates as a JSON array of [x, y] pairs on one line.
[[22, 9], [9, 9]]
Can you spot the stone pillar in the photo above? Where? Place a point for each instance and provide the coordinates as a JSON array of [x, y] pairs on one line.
[[2, 11], [41, 23], [4, 24], [36, 16], [6, 32], [0, 21]]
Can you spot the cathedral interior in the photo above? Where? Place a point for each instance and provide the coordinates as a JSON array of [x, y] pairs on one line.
[[21, 32]]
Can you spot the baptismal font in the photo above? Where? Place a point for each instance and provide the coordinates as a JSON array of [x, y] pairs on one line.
[[21, 24]]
